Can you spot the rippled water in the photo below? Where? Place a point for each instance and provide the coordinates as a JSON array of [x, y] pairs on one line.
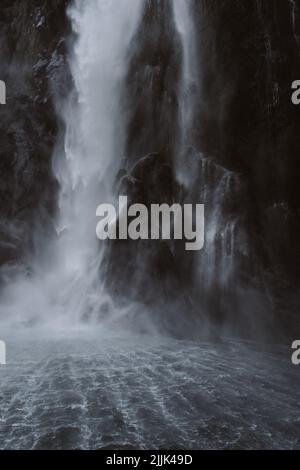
[[94, 390]]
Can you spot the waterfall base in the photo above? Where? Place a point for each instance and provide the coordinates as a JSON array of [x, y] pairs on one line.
[[95, 390]]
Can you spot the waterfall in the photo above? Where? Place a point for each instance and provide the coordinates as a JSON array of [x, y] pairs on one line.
[[205, 179], [183, 14], [94, 142], [65, 282], [225, 237]]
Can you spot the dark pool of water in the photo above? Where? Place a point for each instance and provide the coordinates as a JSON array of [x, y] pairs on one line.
[[94, 390]]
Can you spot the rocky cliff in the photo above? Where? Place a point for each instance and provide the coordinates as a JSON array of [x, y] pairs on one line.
[[33, 43], [244, 146]]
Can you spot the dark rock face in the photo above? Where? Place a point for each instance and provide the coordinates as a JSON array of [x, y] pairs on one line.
[[33, 66], [152, 88], [241, 158], [248, 57], [137, 269], [148, 272]]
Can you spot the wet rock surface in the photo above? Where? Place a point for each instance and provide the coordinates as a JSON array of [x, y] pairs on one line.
[[244, 127], [33, 65]]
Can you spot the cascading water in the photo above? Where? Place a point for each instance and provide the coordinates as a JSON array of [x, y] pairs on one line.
[[94, 388], [183, 14], [94, 141], [206, 181], [65, 285], [217, 262]]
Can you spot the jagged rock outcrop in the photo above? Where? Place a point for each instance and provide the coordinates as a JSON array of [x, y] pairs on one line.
[[152, 85], [248, 57]]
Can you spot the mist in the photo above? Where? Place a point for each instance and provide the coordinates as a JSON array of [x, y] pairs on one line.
[[137, 341]]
